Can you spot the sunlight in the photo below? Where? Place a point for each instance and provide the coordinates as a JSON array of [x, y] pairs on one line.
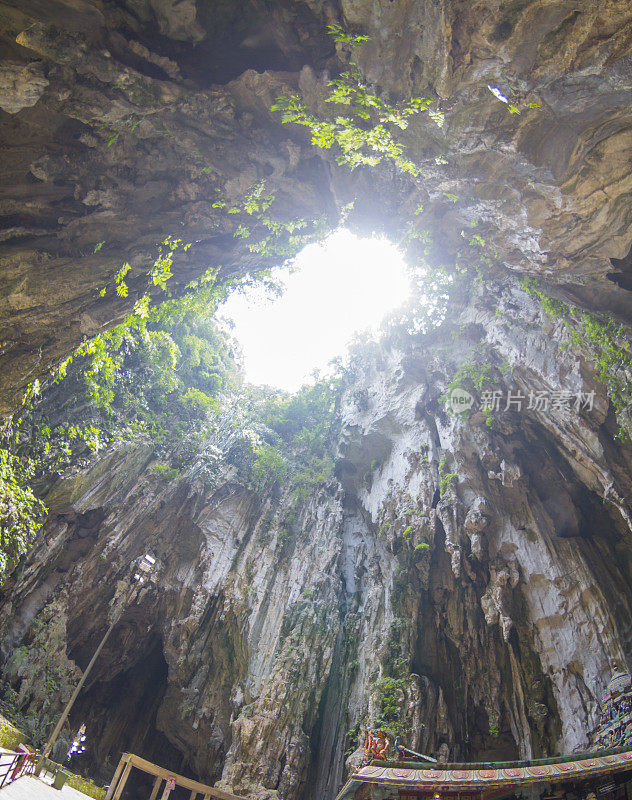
[[336, 289]]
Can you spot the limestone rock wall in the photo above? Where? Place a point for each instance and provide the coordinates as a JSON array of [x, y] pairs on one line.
[[478, 570]]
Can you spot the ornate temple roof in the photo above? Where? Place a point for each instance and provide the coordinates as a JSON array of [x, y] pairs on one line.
[[478, 776]]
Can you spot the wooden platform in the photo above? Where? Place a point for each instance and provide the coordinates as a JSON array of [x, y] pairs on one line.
[[171, 780]]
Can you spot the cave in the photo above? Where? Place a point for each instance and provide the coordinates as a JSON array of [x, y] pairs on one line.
[[622, 268], [326, 573], [121, 715]]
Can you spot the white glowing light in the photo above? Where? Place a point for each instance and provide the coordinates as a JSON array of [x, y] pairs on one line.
[[338, 288], [497, 93]]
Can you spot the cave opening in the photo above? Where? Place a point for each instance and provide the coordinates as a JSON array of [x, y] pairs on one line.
[[120, 712], [621, 274], [334, 291]]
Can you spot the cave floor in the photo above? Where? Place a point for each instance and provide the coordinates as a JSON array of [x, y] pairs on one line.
[[29, 788]]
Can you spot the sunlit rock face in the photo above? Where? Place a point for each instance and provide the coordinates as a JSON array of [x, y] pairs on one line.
[[261, 647], [485, 564]]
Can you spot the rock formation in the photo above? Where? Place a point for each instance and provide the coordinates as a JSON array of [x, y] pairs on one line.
[[471, 579]]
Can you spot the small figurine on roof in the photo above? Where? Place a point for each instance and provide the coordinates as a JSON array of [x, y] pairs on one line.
[[375, 746]]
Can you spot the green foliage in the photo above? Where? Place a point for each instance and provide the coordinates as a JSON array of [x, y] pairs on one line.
[[390, 691], [494, 729], [270, 237], [283, 447], [553, 307], [35, 722], [21, 513], [269, 467], [360, 125], [477, 374], [424, 546], [166, 385], [303, 424], [165, 471], [158, 371], [447, 480], [33, 390], [390, 695], [86, 786], [10, 736], [200, 401], [514, 109], [474, 374], [362, 134], [352, 738], [605, 343], [339, 35], [104, 353]]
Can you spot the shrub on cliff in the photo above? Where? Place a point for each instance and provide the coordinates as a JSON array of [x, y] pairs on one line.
[[21, 513]]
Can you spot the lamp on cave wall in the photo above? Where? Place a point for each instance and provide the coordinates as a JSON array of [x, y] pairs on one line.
[[144, 570]]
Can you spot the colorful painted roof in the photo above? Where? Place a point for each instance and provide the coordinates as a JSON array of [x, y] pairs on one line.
[[620, 682], [461, 777]]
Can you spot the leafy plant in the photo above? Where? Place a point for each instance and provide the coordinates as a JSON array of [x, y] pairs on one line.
[[352, 738], [474, 374], [604, 341], [86, 786], [165, 471], [389, 695], [362, 135], [447, 480], [269, 467], [10, 736], [21, 512], [360, 124], [340, 35]]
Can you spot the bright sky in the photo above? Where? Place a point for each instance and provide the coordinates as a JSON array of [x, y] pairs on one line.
[[338, 287]]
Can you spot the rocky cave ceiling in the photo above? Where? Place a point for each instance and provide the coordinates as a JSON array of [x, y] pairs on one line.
[[185, 90]]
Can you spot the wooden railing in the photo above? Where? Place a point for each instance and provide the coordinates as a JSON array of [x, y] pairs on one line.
[[15, 765], [171, 779]]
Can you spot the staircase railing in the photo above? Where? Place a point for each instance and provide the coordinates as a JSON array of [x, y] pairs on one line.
[[15, 765]]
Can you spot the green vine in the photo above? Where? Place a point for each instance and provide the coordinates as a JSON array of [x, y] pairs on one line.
[[360, 126], [21, 513], [447, 480], [604, 341], [475, 373]]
